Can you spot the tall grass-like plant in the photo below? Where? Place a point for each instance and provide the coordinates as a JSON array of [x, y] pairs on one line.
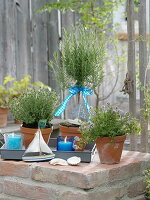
[[82, 58]]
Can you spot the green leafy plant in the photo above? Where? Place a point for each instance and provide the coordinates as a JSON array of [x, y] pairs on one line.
[[93, 14], [12, 88], [109, 122], [147, 181], [19, 87], [147, 100], [5, 91], [82, 59], [33, 106]]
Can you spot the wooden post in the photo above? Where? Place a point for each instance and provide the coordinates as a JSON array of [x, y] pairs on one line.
[[142, 70], [131, 66], [23, 39], [2, 40], [9, 33], [68, 21], [40, 46], [53, 42]]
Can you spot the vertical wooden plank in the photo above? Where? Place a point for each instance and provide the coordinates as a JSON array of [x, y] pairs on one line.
[[2, 39], [39, 35], [53, 44], [9, 27], [23, 38], [68, 21], [131, 66], [142, 69]]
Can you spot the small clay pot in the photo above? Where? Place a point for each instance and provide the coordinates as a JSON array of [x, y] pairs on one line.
[[29, 133], [17, 121], [110, 149], [72, 131], [146, 197], [3, 117]]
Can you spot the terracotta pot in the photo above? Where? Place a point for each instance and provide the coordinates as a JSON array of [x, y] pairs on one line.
[[28, 134], [71, 131], [146, 197], [17, 121], [110, 149], [3, 117]]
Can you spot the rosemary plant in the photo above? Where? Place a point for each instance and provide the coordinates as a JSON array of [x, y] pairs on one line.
[[82, 59]]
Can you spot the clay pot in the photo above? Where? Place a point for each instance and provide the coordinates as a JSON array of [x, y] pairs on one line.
[[3, 117], [110, 149], [17, 121], [146, 197], [71, 131], [29, 133]]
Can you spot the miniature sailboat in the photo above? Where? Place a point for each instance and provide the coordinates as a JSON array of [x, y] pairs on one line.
[[38, 150]]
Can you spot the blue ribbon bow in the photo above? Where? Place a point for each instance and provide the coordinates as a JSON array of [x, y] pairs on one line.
[[73, 91]]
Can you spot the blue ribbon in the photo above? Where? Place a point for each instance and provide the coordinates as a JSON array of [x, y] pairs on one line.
[[73, 91]]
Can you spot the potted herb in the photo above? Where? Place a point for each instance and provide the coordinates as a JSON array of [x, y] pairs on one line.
[[109, 127], [21, 86], [147, 181], [31, 107], [80, 67]]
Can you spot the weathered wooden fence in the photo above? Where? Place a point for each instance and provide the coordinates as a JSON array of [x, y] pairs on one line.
[[27, 39]]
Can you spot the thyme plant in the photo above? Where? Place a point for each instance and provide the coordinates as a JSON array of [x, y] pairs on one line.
[[109, 122], [33, 106]]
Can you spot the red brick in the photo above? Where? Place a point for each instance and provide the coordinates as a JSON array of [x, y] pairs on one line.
[[107, 193], [1, 187], [126, 171], [139, 198], [136, 188], [5, 198], [66, 176], [12, 168], [29, 191], [74, 195], [60, 177]]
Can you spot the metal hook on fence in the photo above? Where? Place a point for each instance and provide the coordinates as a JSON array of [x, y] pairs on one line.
[[128, 85]]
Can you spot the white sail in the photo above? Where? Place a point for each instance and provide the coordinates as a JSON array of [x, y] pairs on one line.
[[38, 144]]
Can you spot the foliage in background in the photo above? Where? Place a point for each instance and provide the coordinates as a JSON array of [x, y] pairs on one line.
[[94, 14], [82, 59], [12, 88], [21, 86], [147, 181], [109, 122], [147, 100], [5, 91], [34, 105]]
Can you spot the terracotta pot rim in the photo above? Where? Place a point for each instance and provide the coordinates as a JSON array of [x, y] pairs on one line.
[[68, 126], [5, 110], [112, 138], [21, 126]]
